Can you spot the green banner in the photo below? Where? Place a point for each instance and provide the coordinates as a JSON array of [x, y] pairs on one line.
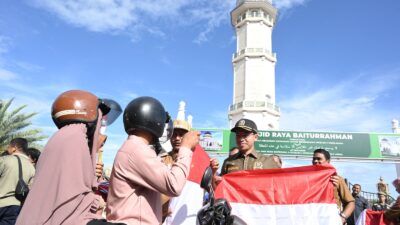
[[298, 143], [303, 143]]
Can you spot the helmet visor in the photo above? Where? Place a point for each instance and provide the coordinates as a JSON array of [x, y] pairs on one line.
[[111, 110], [168, 130]]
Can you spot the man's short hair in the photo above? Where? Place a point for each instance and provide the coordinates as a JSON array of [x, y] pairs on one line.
[[20, 143], [324, 152], [34, 154]]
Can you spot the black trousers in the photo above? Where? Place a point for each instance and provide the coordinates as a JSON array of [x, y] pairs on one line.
[[103, 222], [9, 214]]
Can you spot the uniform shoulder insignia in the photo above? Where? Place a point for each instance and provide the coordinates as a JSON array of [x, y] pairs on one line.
[[258, 165]]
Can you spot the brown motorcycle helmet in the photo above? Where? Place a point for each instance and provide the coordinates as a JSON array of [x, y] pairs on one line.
[[76, 106]]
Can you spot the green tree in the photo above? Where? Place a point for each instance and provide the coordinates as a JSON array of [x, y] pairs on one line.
[[14, 123]]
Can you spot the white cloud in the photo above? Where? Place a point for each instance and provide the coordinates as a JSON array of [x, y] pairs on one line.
[[37, 99], [28, 66], [214, 14], [134, 17], [131, 95], [215, 119], [287, 4], [6, 75], [127, 97], [112, 15], [348, 106], [95, 15]]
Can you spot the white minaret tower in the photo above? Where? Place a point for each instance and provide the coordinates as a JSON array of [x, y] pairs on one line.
[[181, 111], [254, 65]]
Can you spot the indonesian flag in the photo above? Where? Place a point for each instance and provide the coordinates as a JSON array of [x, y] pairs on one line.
[[369, 217], [289, 196], [185, 207]]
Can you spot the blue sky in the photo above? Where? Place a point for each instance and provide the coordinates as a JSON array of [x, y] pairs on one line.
[[338, 63]]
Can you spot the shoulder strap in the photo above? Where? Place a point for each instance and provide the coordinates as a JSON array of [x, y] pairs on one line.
[[20, 176]]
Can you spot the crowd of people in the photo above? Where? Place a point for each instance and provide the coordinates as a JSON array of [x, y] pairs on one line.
[[64, 179]]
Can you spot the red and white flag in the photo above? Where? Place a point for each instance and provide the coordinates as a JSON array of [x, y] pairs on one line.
[[369, 217], [185, 207], [289, 196]]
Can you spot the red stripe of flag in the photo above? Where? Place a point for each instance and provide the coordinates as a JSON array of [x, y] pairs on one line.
[[200, 161], [374, 218], [296, 185]]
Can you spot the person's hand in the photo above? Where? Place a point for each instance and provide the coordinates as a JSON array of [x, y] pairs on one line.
[[343, 220], [99, 170], [169, 213], [102, 205], [190, 139], [335, 180], [214, 164], [101, 141]]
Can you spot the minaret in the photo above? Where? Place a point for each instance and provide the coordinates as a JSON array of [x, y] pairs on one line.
[[254, 65], [181, 111]]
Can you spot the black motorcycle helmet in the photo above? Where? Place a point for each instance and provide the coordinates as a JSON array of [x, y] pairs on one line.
[[147, 113]]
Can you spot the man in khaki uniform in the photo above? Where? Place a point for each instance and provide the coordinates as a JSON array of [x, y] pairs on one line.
[[247, 158], [344, 199], [181, 127]]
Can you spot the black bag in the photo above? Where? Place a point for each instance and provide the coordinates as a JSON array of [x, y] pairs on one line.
[[22, 189]]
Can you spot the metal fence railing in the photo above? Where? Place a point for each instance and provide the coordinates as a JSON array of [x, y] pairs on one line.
[[372, 197]]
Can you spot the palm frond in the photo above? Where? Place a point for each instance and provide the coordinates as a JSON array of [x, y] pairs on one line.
[[14, 123]]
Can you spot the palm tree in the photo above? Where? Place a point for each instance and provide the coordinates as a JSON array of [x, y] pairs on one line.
[[14, 123]]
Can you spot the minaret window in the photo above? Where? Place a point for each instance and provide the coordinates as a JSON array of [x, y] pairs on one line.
[[239, 19], [255, 13]]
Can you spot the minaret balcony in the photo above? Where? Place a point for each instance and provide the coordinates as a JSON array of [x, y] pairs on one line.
[[255, 106], [253, 8], [239, 2], [254, 15], [254, 52]]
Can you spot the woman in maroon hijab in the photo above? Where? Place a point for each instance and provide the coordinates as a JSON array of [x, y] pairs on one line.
[[65, 180]]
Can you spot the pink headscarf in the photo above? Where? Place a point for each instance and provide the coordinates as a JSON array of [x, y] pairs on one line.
[[62, 191]]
